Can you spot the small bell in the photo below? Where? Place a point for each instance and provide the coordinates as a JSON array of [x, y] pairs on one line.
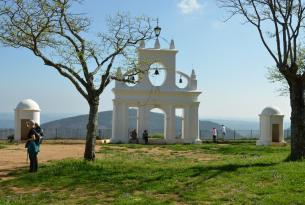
[[180, 80], [156, 72]]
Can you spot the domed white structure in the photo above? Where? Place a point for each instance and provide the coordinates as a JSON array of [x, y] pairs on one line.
[[26, 110], [271, 111], [271, 127]]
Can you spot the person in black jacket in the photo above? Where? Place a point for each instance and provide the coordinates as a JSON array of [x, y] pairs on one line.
[[145, 136], [39, 134]]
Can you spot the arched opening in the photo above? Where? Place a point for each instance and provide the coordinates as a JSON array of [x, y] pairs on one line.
[[132, 124], [157, 74], [179, 122], [156, 124]]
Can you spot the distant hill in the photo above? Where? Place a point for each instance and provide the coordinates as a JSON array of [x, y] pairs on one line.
[[7, 118], [238, 124], [8, 124], [156, 123]]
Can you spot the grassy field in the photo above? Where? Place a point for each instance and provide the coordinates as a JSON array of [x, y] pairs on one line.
[[2, 144], [239, 173]]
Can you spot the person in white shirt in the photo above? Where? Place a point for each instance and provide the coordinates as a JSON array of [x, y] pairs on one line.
[[223, 130]]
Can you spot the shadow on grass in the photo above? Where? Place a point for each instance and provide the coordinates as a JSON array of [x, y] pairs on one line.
[[76, 172], [116, 178], [289, 158], [221, 169]]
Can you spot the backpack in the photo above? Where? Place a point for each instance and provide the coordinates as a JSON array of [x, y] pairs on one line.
[[39, 135]]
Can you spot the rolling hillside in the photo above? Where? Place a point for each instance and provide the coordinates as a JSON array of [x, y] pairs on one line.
[[156, 123]]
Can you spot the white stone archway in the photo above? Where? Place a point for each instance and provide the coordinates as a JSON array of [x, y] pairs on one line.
[[166, 97]]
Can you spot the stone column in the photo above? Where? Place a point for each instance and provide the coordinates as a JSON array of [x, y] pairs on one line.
[[171, 124], [142, 120], [119, 123], [191, 124], [185, 125], [194, 124]]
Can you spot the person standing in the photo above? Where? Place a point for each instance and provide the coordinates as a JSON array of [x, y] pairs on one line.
[[134, 136], [32, 147], [145, 136], [214, 133], [223, 130]]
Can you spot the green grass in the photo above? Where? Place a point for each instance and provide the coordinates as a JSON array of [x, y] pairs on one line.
[[157, 135], [168, 174], [2, 144]]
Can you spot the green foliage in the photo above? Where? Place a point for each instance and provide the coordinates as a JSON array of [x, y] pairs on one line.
[[275, 76], [168, 174], [157, 135]]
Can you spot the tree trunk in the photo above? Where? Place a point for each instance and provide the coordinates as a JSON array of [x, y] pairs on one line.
[[92, 127], [297, 120]]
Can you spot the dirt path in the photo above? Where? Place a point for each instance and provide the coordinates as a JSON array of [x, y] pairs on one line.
[[14, 157]]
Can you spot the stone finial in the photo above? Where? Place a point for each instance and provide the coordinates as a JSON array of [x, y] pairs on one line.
[[172, 44], [193, 81], [142, 44], [193, 75], [157, 44]]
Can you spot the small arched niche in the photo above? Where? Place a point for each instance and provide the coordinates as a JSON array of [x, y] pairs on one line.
[[157, 74]]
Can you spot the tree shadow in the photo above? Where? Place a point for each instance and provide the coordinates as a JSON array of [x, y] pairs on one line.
[[220, 169]]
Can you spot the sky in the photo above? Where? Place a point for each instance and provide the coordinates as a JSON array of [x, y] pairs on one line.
[[228, 57]]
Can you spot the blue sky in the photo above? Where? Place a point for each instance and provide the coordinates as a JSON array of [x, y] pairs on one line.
[[229, 60]]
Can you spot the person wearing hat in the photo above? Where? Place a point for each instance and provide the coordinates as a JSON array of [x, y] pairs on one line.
[[32, 147]]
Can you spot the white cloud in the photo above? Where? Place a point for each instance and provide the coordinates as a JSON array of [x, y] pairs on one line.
[[189, 6]]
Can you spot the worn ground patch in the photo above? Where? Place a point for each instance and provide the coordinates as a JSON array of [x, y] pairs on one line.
[[14, 157], [161, 151]]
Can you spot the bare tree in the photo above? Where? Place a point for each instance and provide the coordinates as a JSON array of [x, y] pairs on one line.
[[280, 25], [61, 39]]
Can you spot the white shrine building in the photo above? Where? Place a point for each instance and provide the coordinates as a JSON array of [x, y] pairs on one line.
[[271, 127], [167, 96], [26, 110]]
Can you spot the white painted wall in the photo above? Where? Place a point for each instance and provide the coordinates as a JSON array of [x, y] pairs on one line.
[[166, 97]]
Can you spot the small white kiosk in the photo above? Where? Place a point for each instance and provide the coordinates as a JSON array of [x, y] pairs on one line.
[[271, 127], [26, 110]]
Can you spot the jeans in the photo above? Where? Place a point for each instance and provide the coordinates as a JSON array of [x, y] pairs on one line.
[[33, 162]]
